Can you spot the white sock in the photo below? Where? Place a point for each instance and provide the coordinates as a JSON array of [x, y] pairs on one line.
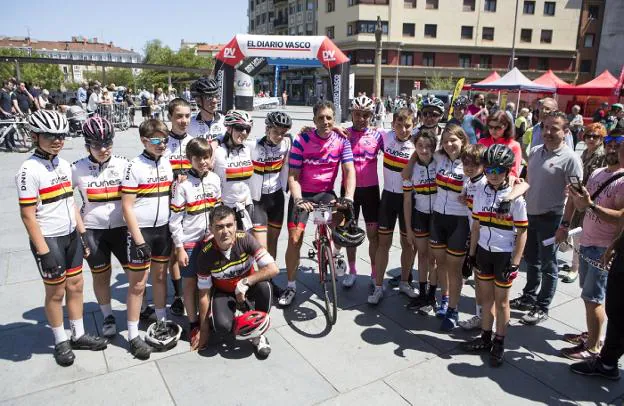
[[59, 334], [77, 328], [133, 329], [479, 310], [292, 285], [106, 310], [161, 314]]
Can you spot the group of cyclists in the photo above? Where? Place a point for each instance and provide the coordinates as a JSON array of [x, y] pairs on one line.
[[206, 206]]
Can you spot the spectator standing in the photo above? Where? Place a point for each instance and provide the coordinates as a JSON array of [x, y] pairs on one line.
[[94, 99], [186, 95], [576, 123], [6, 112], [601, 113], [510, 110], [478, 103], [522, 123], [81, 94], [22, 100], [380, 112], [470, 124], [284, 98], [44, 99], [501, 131]]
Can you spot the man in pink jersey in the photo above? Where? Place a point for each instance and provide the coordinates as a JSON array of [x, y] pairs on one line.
[[314, 160]]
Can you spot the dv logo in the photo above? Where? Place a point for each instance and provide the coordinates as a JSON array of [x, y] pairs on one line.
[[229, 53], [329, 55]]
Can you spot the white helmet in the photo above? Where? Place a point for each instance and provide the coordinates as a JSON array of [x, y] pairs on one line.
[[362, 103], [48, 121], [163, 335]]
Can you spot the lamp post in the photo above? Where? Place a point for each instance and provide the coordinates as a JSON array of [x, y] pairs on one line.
[[396, 79], [512, 61], [378, 32]]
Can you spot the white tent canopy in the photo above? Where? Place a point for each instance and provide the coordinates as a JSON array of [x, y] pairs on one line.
[[514, 80]]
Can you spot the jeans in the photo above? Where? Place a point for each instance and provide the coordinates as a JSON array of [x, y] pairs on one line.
[[541, 261], [613, 348]]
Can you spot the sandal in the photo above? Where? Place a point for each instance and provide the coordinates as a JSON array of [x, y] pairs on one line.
[[478, 344], [570, 277]]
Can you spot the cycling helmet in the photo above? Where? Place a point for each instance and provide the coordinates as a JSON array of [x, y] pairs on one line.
[[278, 119], [204, 86], [362, 103], [461, 101], [97, 129], [48, 121], [251, 324], [499, 155], [349, 235], [435, 103], [237, 117], [163, 335]]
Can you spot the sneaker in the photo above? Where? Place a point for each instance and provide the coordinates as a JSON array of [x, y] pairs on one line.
[[376, 296], [521, 303], [417, 302], [263, 348], [140, 349], [476, 345], [63, 354], [595, 367], [450, 320], [473, 323], [148, 314], [534, 317], [287, 297], [442, 309], [496, 353], [177, 306], [89, 342], [429, 308], [579, 352], [576, 339], [349, 280], [109, 327], [407, 289]]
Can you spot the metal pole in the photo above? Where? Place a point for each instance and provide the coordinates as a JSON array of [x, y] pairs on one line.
[[378, 32], [396, 79], [512, 62]]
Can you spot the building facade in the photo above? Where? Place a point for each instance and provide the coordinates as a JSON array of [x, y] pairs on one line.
[[589, 39], [611, 46]]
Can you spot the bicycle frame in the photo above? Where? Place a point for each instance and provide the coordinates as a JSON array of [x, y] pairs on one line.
[[323, 236]]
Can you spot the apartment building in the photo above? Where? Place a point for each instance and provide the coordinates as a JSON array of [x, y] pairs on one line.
[[611, 45]]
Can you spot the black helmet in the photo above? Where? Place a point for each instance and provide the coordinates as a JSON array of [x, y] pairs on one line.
[[204, 86], [349, 235], [499, 155], [278, 119], [461, 101], [163, 335]]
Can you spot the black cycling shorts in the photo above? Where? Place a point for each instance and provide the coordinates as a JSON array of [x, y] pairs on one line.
[[366, 199], [67, 251], [103, 243], [268, 211], [492, 265], [298, 218], [224, 305], [391, 209], [450, 232], [159, 241], [421, 223]]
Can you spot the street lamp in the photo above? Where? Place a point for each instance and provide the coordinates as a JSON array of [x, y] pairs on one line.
[[396, 79]]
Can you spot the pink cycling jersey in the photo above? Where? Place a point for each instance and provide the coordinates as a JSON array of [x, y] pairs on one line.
[[318, 160], [365, 145]]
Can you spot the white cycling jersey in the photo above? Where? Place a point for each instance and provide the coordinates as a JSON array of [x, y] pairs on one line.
[[211, 130], [175, 152], [497, 235], [191, 202], [270, 167], [99, 186], [396, 156], [422, 184], [150, 180], [471, 186], [234, 168], [450, 180], [47, 183]]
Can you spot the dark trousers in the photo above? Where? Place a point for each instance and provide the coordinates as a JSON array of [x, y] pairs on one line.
[[613, 348], [224, 305], [541, 261]]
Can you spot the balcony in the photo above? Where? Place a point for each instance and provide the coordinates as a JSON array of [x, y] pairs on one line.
[[280, 23]]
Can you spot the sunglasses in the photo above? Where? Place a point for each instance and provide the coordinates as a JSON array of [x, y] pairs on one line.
[[592, 136], [100, 145], [495, 170], [430, 114], [158, 141], [618, 139], [241, 128], [51, 136]]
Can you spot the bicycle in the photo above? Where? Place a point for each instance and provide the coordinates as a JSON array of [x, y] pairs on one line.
[[21, 137]]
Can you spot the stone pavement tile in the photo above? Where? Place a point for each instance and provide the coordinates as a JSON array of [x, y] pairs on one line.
[[13, 236], [516, 291], [26, 356], [142, 384], [289, 378], [22, 304], [306, 305], [537, 353], [362, 347], [376, 393], [571, 313], [467, 379], [4, 267], [21, 267]]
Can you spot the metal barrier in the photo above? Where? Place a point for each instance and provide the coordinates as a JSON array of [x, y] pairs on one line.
[[116, 113]]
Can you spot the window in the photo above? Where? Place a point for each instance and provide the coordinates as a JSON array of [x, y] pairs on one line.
[[310, 5], [331, 6], [585, 66], [522, 63], [469, 5], [485, 61], [365, 56], [489, 5], [409, 30], [428, 59], [549, 8], [406, 58], [352, 3], [350, 29], [431, 30], [593, 12], [546, 37], [542, 63], [251, 24], [409, 3], [365, 27], [464, 60], [251, 5], [529, 7], [329, 31], [588, 41], [488, 34], [431, 5], [299, 7], [466, 32], [526, 34]]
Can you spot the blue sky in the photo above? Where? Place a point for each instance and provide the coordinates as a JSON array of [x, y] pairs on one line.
[[128, 23]]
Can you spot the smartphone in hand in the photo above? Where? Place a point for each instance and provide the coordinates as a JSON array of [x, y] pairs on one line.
[[576, 183]]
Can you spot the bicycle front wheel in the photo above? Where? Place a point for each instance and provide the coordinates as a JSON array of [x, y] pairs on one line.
[[328, 280], [23, 142]]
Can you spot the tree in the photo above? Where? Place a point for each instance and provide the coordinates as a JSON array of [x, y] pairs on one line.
[[118, 76], [46, 75], [437, 82]]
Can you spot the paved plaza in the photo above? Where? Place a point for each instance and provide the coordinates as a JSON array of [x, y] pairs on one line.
[[372, 356]]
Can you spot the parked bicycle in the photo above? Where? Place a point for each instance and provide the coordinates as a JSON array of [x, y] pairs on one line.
[[21, 136]]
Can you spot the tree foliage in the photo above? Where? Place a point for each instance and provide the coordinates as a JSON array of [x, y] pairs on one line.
[[46, 75], [118, 76], [438, 82]]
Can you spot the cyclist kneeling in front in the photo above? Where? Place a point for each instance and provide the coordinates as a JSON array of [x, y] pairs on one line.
[[226, 261]]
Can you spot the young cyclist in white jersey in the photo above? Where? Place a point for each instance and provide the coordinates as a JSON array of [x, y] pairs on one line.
[[180, 115], [44, 188], [397, 149], [269, 180], [234, 167], [100, 219], [208, 123], [193, 197], [496, 248], [145, 202]]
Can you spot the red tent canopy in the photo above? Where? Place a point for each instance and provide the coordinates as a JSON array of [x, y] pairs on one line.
[[550, 79], [489, 78], [602, 85]]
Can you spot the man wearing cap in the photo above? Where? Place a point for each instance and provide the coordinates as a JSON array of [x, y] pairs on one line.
[[615, 121]]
